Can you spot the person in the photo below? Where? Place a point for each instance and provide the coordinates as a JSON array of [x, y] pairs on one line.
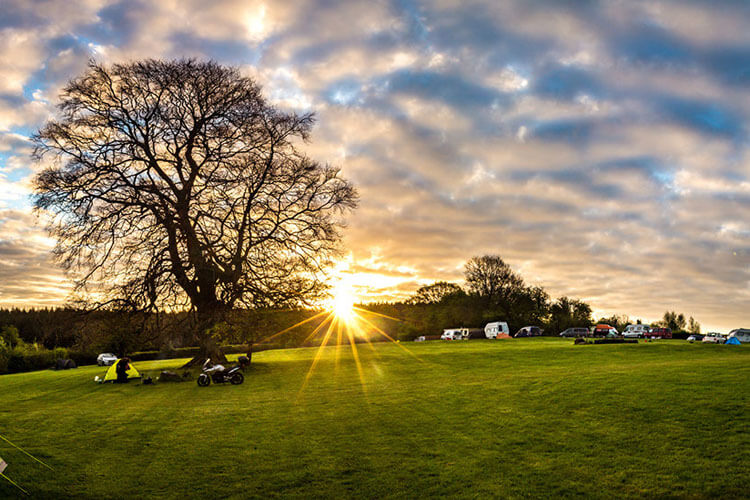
[[122, 368]]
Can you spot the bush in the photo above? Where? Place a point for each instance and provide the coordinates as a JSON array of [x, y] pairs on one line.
[[180, 352], [189, 352], [4, 356], [29, 357], [9, 334], [82, 358]]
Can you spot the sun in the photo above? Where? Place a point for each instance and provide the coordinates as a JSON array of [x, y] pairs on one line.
[[342, 304]]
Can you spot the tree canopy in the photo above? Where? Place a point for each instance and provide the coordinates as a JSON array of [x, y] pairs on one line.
[[436, 293], [177, 185]]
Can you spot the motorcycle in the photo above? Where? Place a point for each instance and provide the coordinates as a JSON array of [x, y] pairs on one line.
[[218, 374]]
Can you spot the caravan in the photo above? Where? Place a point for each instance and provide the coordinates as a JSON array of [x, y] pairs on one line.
[[636, 331], [497, 329], [741, 334]]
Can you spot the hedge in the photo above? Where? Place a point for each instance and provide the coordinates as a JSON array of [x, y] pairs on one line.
[[26, 358], [189, 352]]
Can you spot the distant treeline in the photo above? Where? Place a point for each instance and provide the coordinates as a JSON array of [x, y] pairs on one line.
[[127, 332], [493, 292]]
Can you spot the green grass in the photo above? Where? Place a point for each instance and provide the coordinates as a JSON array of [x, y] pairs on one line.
[[510, 418]]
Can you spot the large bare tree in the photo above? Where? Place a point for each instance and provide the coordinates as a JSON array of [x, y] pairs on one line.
[[177, 185]]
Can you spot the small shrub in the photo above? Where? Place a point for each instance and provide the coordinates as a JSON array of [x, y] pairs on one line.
[[4, 356], [82, 358], [9, 334]]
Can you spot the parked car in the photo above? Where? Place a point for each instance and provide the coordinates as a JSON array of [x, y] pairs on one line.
[[496, 329], [659, 333], [452, 334], [636, 331], [421, 338], [742, 334], [528, 331], [696, 337], [575, 332], [713, 338], [602, 330], [106, 359]]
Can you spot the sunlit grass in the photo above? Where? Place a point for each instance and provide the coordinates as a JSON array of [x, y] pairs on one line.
[[340, 323], [534, 418]]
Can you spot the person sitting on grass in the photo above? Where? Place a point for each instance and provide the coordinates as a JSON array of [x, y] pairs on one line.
[[122, 368]]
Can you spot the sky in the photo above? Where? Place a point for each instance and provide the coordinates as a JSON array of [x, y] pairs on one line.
[[599, 147]]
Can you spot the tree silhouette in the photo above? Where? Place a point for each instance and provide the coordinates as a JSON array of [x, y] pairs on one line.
[[177, 186], [435, 293], [491, 278]]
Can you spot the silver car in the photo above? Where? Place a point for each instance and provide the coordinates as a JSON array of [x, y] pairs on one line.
[[106, 359]]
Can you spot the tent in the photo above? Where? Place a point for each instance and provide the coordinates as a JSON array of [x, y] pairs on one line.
[[111, 375], [732, 341]]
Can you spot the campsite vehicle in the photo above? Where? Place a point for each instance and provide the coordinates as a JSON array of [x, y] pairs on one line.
[[636, 331], [496, 329], [575, 332], [452, 334], [713, 338], [659, 333], [696, 337], [602, 330], [528, 331], [106, 359], [741, 334], [218, 374], [472, 333]]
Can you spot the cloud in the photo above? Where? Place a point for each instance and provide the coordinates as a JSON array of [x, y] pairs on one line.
[[599, 147]]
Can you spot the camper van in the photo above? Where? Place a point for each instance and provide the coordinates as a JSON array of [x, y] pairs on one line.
[[452, 334], [636, 331], [496, 329]]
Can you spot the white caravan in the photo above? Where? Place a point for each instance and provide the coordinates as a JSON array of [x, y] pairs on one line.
[[492, 330], [452, 334], [742, 334], [636, 331]]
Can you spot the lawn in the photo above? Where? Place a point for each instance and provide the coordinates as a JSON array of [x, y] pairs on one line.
[[510, 418]]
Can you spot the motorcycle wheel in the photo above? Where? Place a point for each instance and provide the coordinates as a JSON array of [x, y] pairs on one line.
[[204, 380], [237, 379]]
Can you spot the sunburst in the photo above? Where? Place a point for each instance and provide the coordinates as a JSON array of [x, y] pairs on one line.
[[343, 321]]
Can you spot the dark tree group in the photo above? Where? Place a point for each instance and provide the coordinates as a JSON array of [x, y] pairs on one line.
[[494, 292]]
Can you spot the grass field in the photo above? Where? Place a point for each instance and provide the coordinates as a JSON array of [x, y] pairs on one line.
[[511, 418]]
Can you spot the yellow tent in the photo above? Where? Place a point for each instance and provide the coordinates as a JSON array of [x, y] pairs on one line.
[[111, 375]]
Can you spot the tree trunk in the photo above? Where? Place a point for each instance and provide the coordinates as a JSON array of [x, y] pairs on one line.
[[207, 317]]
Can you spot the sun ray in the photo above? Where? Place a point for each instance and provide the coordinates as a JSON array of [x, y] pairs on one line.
[[381, 332], [376, 314], [293, 327], [365, 334], [338, 347], [319, 327], [355, 354], [318, 353]]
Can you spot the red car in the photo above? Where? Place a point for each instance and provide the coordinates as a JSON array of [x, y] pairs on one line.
[[659, 333]]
